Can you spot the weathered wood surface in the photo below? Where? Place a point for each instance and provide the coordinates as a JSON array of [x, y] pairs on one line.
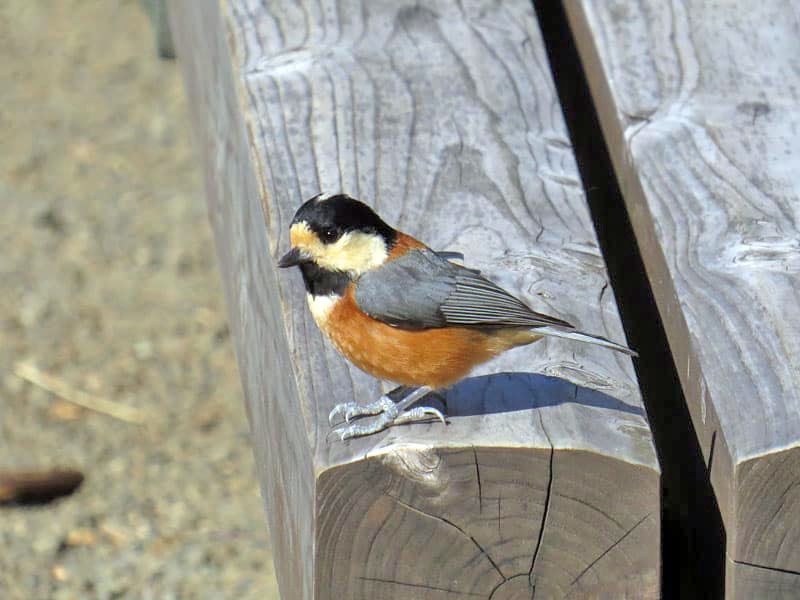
[[444, 117], [698, 102]]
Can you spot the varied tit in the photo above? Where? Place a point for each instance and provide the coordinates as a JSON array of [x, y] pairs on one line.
[[402, 312]]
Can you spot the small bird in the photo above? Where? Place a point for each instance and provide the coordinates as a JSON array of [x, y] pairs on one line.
[[403, 312]]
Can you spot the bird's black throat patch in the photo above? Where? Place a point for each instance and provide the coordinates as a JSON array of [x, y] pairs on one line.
[[322, 282]]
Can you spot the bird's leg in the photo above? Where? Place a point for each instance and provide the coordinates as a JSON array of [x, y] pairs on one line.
[[389, 413]]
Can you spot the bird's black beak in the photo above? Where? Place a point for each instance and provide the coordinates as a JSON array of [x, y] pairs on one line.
[[293, 257]]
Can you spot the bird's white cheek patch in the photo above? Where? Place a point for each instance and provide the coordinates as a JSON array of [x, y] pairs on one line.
[[354, 252], [321, 307]]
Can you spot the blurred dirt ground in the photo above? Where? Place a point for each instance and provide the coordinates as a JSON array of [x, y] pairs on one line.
[[109, 285]]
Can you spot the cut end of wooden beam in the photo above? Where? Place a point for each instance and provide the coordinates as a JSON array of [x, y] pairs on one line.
[[481, 521]]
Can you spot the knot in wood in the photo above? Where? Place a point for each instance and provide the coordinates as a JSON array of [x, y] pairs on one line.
[[420, 464]]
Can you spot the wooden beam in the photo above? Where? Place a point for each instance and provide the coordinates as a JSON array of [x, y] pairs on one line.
[[698, 102], [443, 116]]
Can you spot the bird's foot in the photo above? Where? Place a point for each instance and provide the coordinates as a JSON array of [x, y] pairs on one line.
[[388, 413], [351, 410]]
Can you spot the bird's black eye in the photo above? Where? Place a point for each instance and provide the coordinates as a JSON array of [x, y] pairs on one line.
[[329, 235]]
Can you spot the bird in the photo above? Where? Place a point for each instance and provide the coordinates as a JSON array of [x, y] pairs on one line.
[[403, 312]]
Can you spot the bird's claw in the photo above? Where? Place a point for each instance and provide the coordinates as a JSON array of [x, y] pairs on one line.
[[387, 416], [351, 410], [420, 413]]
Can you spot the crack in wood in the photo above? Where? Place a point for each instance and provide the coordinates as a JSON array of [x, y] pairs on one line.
[[546, 501], [781, 504], [499, 518], [711, 453], [451, 524], [478, 477], [421, 586], [590, 506], [502, 584], [765, 567], [602, 293], [610, 548]]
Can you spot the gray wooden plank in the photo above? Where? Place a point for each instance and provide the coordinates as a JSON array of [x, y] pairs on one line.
[[445, 119], [286, 468], [698, 102]]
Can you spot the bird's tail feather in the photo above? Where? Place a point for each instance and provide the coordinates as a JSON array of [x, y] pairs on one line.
[[580, 336]]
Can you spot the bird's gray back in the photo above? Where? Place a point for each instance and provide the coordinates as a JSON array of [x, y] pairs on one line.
[[407, 291]]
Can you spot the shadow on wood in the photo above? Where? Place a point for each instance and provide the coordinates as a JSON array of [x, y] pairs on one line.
[[510, 392]]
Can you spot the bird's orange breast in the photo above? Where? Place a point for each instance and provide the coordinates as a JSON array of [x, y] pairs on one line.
[[432, 357]]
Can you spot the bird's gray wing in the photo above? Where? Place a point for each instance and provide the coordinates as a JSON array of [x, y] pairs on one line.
[[421, 290], [448, 255]]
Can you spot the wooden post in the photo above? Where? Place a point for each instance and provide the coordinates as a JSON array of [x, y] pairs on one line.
[[698, 101], [443, 116]]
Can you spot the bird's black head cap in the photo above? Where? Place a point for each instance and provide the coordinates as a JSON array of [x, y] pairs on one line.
[[332, 216]]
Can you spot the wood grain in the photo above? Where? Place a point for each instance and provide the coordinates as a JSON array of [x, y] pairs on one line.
[[698, 103], [443, 116]]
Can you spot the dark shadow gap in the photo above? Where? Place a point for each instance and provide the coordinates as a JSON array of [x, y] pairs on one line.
[[692, 532]]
